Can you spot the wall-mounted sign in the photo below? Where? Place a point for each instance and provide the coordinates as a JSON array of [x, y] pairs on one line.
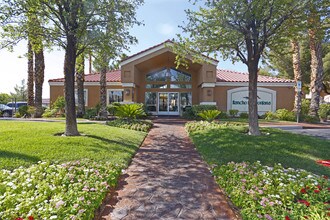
[[239, 99]]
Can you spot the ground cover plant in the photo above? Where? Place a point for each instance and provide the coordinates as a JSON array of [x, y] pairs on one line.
[[248, 170], [64, 185], [134, 124]]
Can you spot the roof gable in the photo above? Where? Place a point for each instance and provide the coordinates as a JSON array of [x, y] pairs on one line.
[[156, 48]]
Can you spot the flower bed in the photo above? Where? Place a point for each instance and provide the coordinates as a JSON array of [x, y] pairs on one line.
[[134, 124], [72, 190], [262, 192]]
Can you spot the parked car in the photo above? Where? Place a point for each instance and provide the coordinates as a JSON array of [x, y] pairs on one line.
[[6, 111], [18, 104]]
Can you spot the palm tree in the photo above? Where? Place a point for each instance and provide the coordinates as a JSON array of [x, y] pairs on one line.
[[30, 79], [296, 72], [80, 79], [315, 45]]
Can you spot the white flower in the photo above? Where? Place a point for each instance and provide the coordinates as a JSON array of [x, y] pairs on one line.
[[53, 217]]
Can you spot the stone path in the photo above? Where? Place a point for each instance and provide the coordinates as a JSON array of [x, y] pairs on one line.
[[167, 179]]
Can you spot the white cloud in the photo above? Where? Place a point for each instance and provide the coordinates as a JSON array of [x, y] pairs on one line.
[[166, 29]]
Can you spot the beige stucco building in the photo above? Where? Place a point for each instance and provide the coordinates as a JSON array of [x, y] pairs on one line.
[[151, 77]]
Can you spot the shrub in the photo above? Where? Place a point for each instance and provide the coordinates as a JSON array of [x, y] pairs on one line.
[[26, 111], [194, 126], [112, 108], [233, 112], [188, 113], [244, 115], [310, 119], [223, 115], [192, 113], [305, 103], [199, 108], [90, 113], [209, 115], [324, 111], [130, 111], [262, 192], [270, 116], [138, 125], [72, 190], [57, 108], [285, 115]]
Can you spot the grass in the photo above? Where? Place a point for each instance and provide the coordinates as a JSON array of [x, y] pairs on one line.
[[25, 143], [220, 146]]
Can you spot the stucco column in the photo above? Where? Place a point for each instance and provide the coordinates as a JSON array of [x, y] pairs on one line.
[[129, 92], [207, 96]]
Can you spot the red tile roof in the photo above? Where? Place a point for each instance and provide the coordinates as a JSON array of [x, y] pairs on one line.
[[112, 76], [233, 76]]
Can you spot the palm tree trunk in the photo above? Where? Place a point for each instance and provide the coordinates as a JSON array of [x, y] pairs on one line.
[[39, 80], [103, 94], [30, 79], [297, 73], [80, 78], [316, 61]]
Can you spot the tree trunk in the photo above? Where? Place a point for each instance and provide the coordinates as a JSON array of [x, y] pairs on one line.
[[103, 94], [297, 73], [253, 97], [90, 63], [80, 78], [69, 73], [316, 63], [30, 79], [39, 80]]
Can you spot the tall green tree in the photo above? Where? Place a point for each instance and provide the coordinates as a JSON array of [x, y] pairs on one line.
[[240, 30], [71, 24], [4, 98], [20, 92]]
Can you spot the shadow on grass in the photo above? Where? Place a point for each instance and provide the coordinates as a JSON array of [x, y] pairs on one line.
[[109, 141], [291, 150], [10, 155]]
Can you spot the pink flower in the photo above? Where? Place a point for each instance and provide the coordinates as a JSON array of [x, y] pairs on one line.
[[317, 191], [287, 218], [59, 204], [303, 190]]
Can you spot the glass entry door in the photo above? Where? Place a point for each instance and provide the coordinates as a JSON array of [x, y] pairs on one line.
[[168, 103]]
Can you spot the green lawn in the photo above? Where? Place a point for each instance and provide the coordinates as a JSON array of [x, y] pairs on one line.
[[25, 143], [291, 150]]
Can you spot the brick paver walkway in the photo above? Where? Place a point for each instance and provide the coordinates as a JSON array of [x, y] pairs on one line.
[[167, 179]]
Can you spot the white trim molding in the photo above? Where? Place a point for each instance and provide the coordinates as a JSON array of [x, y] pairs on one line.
[[208, 85], [155, 49], [270, 84], [271, 92], [131, 85], [86, 83], [208, 103]]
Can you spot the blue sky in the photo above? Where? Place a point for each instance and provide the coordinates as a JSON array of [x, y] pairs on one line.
[[161, 19]]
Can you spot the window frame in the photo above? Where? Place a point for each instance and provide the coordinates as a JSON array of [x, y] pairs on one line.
[[114, 90]]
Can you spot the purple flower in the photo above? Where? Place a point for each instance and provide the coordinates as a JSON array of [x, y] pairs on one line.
[[59, 204], [268, 217]]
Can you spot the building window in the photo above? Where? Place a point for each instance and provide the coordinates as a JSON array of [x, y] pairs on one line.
[[85, 96], [151, 101], [185, 100], [163, 78], [115, 95]]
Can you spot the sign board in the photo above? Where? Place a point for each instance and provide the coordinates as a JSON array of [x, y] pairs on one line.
[[299, 86], [239, 99]]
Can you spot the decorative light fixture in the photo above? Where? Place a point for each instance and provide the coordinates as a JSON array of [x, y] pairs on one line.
[[127, 92]]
